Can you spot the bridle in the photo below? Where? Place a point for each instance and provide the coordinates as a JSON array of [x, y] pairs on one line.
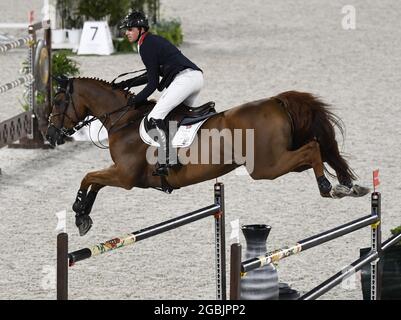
[[68, 94], [68, 91]]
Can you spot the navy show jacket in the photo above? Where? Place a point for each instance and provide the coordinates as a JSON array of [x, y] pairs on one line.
[[161, 59]]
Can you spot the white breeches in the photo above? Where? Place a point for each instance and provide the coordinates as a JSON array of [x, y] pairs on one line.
[[185, 87]]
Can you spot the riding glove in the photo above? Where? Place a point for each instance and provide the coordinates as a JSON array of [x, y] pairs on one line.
[[131, 102]]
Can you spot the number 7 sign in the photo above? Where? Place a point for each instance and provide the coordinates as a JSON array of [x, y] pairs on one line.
[[94, 34], [96, 39]]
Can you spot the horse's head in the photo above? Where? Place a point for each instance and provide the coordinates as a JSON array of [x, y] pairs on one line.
[[66, 112]]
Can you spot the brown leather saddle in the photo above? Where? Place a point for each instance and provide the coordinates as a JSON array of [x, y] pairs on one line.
[[185, 115]]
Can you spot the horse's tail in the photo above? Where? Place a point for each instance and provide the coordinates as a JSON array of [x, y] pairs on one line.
[[312, 119]]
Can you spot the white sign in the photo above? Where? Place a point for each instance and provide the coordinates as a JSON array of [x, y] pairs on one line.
[[235, 230], [96, 39], [61, 221]]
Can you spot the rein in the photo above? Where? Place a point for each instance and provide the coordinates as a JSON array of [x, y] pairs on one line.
[[132, 82]]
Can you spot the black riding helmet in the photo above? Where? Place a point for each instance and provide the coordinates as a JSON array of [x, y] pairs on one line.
[[135, 19]]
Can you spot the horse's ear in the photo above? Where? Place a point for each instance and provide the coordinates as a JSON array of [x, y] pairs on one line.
[[62, 81], [70, 85]]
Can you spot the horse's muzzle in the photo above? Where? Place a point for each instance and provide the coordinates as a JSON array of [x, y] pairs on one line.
[[55, 136]]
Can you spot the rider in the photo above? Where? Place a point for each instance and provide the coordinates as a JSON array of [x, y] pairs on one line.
[[181, 79]]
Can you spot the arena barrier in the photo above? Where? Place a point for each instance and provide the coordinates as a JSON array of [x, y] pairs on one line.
[[65, 259], [239, 269], [29, 127]]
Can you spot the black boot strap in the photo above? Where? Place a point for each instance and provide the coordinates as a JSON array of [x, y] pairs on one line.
[[165, 186]]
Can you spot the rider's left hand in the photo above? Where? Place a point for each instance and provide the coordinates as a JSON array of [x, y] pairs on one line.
[[131, 101]]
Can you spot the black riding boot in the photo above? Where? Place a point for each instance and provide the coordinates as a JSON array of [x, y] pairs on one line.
[[163, 150]]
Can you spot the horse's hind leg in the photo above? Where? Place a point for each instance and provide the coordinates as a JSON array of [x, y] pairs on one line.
[[305, 157], [344, 174], [315, 161]]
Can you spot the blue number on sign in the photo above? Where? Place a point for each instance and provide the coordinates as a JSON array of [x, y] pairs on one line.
[[94, 34]]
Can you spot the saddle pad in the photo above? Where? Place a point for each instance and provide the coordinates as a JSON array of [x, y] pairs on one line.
[[182, 139]]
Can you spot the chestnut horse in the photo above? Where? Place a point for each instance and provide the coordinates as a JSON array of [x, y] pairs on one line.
[[292, 131]]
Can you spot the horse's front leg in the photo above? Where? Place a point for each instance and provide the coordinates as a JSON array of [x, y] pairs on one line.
[[84, 200], [96, 180]]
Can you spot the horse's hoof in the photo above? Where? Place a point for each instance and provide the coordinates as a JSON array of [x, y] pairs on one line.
[[359, 191], [340, 191], [326, 195], [84, 223]]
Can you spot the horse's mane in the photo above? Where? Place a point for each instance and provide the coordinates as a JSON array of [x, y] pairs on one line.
[[95, 79], [143, 109], [105, 82]]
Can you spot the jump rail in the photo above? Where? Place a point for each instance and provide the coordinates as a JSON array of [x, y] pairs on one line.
[[239, 268], [65, 259], [26, 127], [13, 84], [16, 43]]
